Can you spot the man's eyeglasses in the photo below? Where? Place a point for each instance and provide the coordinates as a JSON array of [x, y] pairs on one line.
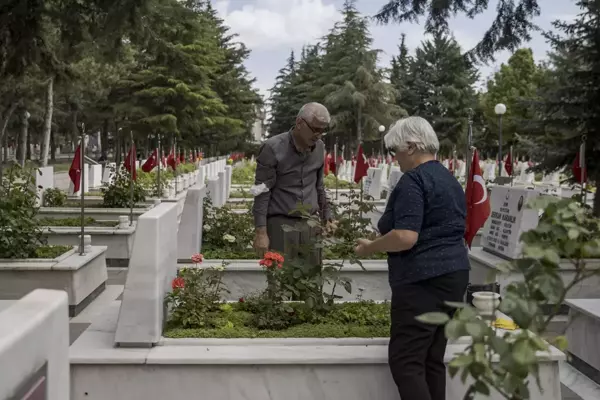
[[390, 151], [316, 131]]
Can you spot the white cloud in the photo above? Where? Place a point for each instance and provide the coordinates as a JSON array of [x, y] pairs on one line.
[[270, 24]]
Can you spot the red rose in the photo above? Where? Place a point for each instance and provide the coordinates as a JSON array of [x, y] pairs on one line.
[[178, 283]]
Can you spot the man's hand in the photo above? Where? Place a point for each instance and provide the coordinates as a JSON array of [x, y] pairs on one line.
[[330, 227], [362, 248], [261, 242]]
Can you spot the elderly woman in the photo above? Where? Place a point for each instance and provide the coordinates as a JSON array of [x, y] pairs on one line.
[[422, 231]]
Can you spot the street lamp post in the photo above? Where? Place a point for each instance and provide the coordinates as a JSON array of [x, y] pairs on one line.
[[500, 110]]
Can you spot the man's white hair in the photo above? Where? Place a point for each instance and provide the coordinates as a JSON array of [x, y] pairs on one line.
[[414, 130], [315, 111]]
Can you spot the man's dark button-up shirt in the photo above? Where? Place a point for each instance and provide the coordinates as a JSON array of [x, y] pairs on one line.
[[292, 177]]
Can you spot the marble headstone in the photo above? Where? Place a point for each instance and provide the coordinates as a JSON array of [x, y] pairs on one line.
[[508, 220]]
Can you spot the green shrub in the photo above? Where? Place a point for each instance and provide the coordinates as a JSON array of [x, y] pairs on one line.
[[21, 232], [118, 193], [243, 174], [54, 197]]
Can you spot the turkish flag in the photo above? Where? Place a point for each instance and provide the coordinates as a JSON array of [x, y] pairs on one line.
[[333, 165], [508, 165], [172, 161], [579, 172], [451, 165], [151, 162], [75, 170], [362, 166], [327, 165], [478, 202], [129, 162]]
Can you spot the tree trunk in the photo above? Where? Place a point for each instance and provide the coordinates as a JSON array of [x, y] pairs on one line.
[[5, 119], [47, 123], [104, 139], [74, 131], [52, 146], [596, 205], [117, 140], [24, 135]]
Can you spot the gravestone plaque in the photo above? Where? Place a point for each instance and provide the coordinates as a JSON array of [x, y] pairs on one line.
[[508, 220], [34, 387]]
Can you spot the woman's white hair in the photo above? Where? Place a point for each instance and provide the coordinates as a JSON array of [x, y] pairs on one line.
[[414, 130]]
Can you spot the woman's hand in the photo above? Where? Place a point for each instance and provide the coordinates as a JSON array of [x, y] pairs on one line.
[[362, 248]]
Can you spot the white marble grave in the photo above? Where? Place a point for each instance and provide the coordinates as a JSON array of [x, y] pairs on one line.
[[44, 179], [372, 183], [34, 346], [583, 331], [508, 219], [109, 173], [189, 235], [95, 179], [152, 267], [227, 183]]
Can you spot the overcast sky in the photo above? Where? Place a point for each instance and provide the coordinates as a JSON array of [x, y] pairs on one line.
[[271, 28]]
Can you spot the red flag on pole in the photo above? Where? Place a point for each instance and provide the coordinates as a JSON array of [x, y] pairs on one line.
[[171, 161], [327, 166], [579, 168], [151, 162], [129, 162], [508, 164], [362, 165], [478, 202], [75, 170]]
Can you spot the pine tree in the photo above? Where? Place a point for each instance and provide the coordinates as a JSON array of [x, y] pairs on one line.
[[283, 99], [508, 31], [572, 100], [399, 75], [351, 84], [440, 88], [515, 85]]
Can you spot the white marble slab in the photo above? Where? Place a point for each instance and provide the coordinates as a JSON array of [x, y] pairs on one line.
[[151, 270], [189, 234], [35, 331]]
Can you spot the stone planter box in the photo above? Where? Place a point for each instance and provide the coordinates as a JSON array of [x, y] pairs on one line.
[[243, 277], [483, 270], [118, 241], [82, 277], [316, 369], [99, 214]]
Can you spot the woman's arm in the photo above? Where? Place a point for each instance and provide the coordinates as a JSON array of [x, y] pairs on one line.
[[394, 241], [409, 208]]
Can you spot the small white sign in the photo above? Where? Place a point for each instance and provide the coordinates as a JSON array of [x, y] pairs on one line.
[[508, 220]]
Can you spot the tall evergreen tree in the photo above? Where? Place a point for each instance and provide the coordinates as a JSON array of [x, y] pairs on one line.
[[516, 85], [352, 85], [572, 100], [440, 88], [400, 73], [283, 99], [508, 31]]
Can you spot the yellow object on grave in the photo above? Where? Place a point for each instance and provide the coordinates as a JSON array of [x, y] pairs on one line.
[[506, 324]]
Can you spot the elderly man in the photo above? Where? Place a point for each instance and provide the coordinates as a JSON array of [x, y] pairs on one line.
[[289, 172]]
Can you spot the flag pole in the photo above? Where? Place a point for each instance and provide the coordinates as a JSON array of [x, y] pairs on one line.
[[132, 166], [468, 158], [583, 171], [512, 163], [82, 190], [175, 161], [336, 167], [159, 159]]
